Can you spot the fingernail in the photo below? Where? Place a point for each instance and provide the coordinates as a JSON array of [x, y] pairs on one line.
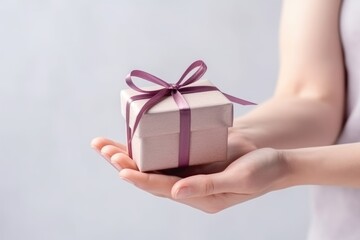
[[183, 192]]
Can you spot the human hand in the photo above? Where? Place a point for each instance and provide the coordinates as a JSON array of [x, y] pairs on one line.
[[217, 188]]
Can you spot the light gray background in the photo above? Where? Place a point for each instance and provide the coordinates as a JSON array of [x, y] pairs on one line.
[[62, 65]]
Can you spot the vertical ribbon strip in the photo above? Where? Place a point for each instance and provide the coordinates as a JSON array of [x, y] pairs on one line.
[[176, 91]]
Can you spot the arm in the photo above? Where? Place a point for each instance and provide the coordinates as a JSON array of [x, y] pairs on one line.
[[307, 108], [308, 104], [330, 165]]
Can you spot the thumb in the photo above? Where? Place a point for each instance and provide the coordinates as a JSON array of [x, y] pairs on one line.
[[199, 186]]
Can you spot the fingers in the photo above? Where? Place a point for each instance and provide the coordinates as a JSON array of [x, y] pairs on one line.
[[99, 142], [209, 199], [122, 161], [107, 147], [109, 150], [115, 153], [200, 186], [162, 186], [175, 187], [157, 184]]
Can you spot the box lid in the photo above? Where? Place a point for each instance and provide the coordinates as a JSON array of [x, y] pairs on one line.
[[208, 110]]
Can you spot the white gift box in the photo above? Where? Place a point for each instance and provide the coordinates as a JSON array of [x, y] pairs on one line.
[[155, 144]]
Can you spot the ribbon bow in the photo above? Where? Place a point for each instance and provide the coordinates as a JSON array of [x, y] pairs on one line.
[[176, 91]]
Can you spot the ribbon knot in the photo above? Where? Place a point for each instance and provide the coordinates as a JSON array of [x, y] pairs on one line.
[[176, 91], [174, 87]]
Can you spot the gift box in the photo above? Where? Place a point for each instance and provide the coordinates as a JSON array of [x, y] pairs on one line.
[[155, 144], [176, 125]]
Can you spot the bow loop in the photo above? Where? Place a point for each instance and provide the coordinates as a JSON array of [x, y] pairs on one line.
[[145, 76], [201, 69]]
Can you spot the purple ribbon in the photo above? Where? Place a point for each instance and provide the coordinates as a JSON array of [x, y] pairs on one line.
[[175, 90]]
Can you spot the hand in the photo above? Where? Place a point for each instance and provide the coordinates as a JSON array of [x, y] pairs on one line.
[[212, 187]]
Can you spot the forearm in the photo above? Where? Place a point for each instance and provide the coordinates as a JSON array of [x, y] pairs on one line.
[[331, 165], [290, 122]]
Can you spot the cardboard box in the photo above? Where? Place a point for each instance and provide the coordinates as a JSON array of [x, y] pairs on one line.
[[155, 144]]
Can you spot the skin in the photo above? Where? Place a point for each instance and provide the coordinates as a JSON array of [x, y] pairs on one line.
[[284, 142]]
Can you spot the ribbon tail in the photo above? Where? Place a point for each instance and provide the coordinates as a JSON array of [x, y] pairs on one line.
[[238, 100], [197, 89]]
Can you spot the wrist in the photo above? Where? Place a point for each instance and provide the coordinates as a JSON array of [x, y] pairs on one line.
[[300, 171], [290, 174]]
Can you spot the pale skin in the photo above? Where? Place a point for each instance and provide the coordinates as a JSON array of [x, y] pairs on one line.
[[286, 141]]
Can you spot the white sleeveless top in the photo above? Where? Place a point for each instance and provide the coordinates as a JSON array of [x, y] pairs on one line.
[[336, 210]]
